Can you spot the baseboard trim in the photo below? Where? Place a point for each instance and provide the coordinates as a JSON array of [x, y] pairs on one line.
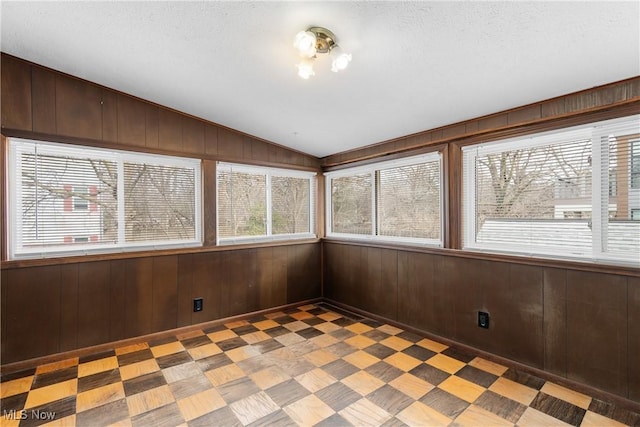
[[52, 358], [548, 376]]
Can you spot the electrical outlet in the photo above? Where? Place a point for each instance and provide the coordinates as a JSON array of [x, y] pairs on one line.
[[483, 319], [197, 304]]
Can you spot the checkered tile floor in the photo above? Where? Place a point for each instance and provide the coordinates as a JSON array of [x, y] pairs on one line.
[[312, 365]]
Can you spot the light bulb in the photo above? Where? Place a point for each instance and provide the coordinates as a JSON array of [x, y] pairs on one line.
[[305, 42], [305, 69], [340, 59]]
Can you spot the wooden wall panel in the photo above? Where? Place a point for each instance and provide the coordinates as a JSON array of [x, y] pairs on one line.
[[381, 282], [633, 337], [93, 303], [165, 293], [78, 108], [415, 289], [239, 291], [169, 130], [207, 284], [152, 132], [139, 294], [68, 307], [210, 139], [303, 272], [110, 117], [32, 294], [272, 276], [118, 301], [132, 117], [185, 289], [555, 321], [230, 145], [597, 330], [43, 100], [193, 135], [16, 94]]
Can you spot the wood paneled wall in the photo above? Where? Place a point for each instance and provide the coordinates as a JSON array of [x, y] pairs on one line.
[[39, 102], [580, 325], [52, 306], [61, 307]]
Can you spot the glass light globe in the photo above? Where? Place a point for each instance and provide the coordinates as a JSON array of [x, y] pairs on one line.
[[305, 42], [305, 70], [340, 60]]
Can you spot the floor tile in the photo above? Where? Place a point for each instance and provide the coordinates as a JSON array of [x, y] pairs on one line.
[[432, 345], [338, 396], [138, 369], [518, 392], [107, 414], [269, 377], [202, 351], [475, 416], [361, 359], [309, 410], [320, 357], [164, 416], [180, 372], [50, 393], [360, 341], [578, 399], [144, 383], [220, 417], [365, 413], [278, 418], [465, 390], [402, 361], [99, 396], [558, 408], [55, 366], [254, 407], [224, 374], [189, 386], [287, 392], [429, 374], [362, 382], [388, 398], [169, 348], [150, 399], [53, 377], [419, 414], [444, 402], [384, 371], [591, 419], [412, 386], [396, 343], [237, 389], [315, 380], [501, 406], [535, 418], [477, 376], [445, 363], [488, 366], [131, 348], [200, 403], [20, 385], [96, 366]]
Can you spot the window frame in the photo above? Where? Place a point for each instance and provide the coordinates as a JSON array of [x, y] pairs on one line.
[[595, 132], [268, 172], [373, 169], [120, 157]]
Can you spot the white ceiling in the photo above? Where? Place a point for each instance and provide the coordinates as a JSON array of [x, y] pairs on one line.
[[416, 65]]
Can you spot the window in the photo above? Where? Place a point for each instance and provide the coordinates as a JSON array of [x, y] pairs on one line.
[[566, 194], [635, 163], [260, 204], [70, 200], [398, 200]]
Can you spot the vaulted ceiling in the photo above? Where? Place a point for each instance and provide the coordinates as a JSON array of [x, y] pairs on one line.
[[416, 65]]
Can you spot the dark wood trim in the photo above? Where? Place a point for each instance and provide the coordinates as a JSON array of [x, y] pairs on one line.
[[30, 363], [148, 253], [390, 156], [577, 386], [445, 186], [18, 133], [513, 259], [209, 203], [454, 197], [4, 206]]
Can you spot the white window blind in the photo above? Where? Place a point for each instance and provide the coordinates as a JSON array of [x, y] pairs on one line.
[[69, 200], [260, 203], [398, 200], [567, 194]]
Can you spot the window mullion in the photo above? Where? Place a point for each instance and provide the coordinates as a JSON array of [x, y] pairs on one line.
[[121, 202], [269, 207], [600, 159], [374, 202]]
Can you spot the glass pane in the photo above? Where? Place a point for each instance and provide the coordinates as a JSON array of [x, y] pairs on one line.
[[159, 202], [242, 207], [351, 204], [409, 201], [290, 205], [66, 200], [539, 196], [623, 197]]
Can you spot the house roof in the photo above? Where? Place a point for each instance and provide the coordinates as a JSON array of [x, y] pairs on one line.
[[416, 65]]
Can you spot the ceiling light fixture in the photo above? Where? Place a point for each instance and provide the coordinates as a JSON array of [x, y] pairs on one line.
[[317, 40]]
